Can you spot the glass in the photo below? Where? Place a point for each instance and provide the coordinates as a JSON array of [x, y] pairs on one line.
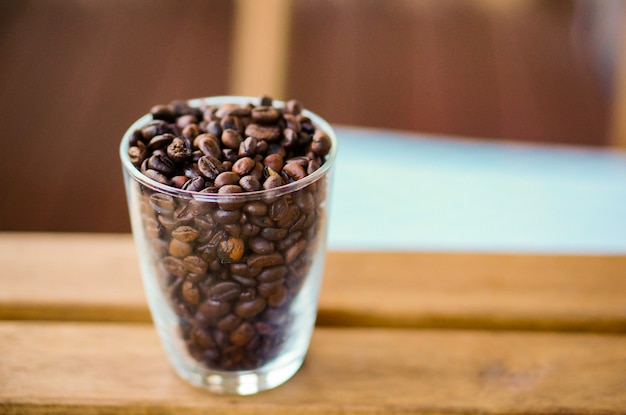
[[232, 319]]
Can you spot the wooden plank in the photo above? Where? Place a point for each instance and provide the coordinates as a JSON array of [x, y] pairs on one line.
[[260, 48], [85, 368], [96, 277]]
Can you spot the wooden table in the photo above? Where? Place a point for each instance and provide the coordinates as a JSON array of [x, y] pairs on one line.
[[440, 333]]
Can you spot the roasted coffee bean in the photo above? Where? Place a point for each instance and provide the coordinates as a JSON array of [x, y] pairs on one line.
[[174, 266], [230, 250], [178, 181], [295, 250], [156, 176], [209, 145], [264, 114], [267, 289], [229, 323], [263, 132], [274, 234], [225, 217], [279, 209], [260, 245], [274, 161], [180, 249], [249, 229], [230, 122], [228, 203], [250, 183], [162, 112], [137, 153], [160, 141], [290, 218], [226, 178], [273, 181], [185, 234], [162, 203], [243, 166], [248, 147], [194, 185], [231, 139], [168, 222], [210, 167], [294, 170], [244, 269], [185, 120], [262, 261], [278, 298], [293, 107], [195, 264], [191, 131], [190, 293], [202, 338], [178, 151], [272, 273], [244, 281], [213, 310], [290, 138], [255, 208], [250, 308], [223, 291], [242, 334]]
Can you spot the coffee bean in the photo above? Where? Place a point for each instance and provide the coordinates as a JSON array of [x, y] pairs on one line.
[[231, 139], [174, 266], [227, 204], [231, 250], [243, 166], [178, 151], [185, 234], [274, 234], [272, 273], [250, 308], [210, 167], [274, 161], [263, 132], [194, 185], [195, 264], [209, 145], [213, 310], [190, 293], [262, 261], [255, 208], [320, 143], [264, 114], [179, 248], [279, 209], [295, 171], [260, 245], [250, 183], [156, 176], [223, 291], [248, 147], [242, 334], [160, 141], [226, 178], [162, 203]]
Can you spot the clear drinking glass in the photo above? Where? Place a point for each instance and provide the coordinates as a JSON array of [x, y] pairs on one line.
[[231, 319]]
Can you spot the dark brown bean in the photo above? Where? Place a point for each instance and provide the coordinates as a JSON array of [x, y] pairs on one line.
[[250, 308], [272, 273], [195, 264], [190, 293], [260, 245], [255, 208], [210, 167], [226, 178], [223, 291], [231, 139], [243, 166], [242, 334], [213, 310], [274, 234], [227, 203], [262, 261], [185, 234], [274, 161], [250, 183], [263, 132], [174, 266]]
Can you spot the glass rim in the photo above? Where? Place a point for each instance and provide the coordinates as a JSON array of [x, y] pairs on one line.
[[136, 174]]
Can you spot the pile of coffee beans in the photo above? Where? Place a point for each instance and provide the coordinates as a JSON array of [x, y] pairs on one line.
[[231, 268]]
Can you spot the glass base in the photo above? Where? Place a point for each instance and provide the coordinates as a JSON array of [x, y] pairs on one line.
[[246, 382]]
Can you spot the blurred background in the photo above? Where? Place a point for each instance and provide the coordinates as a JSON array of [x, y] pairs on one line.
[[74, 74]]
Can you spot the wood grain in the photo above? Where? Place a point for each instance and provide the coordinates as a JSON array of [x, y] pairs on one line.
[[96, 277], [121, 368]]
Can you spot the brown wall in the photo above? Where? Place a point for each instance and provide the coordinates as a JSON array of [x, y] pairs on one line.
[[74, 74]]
